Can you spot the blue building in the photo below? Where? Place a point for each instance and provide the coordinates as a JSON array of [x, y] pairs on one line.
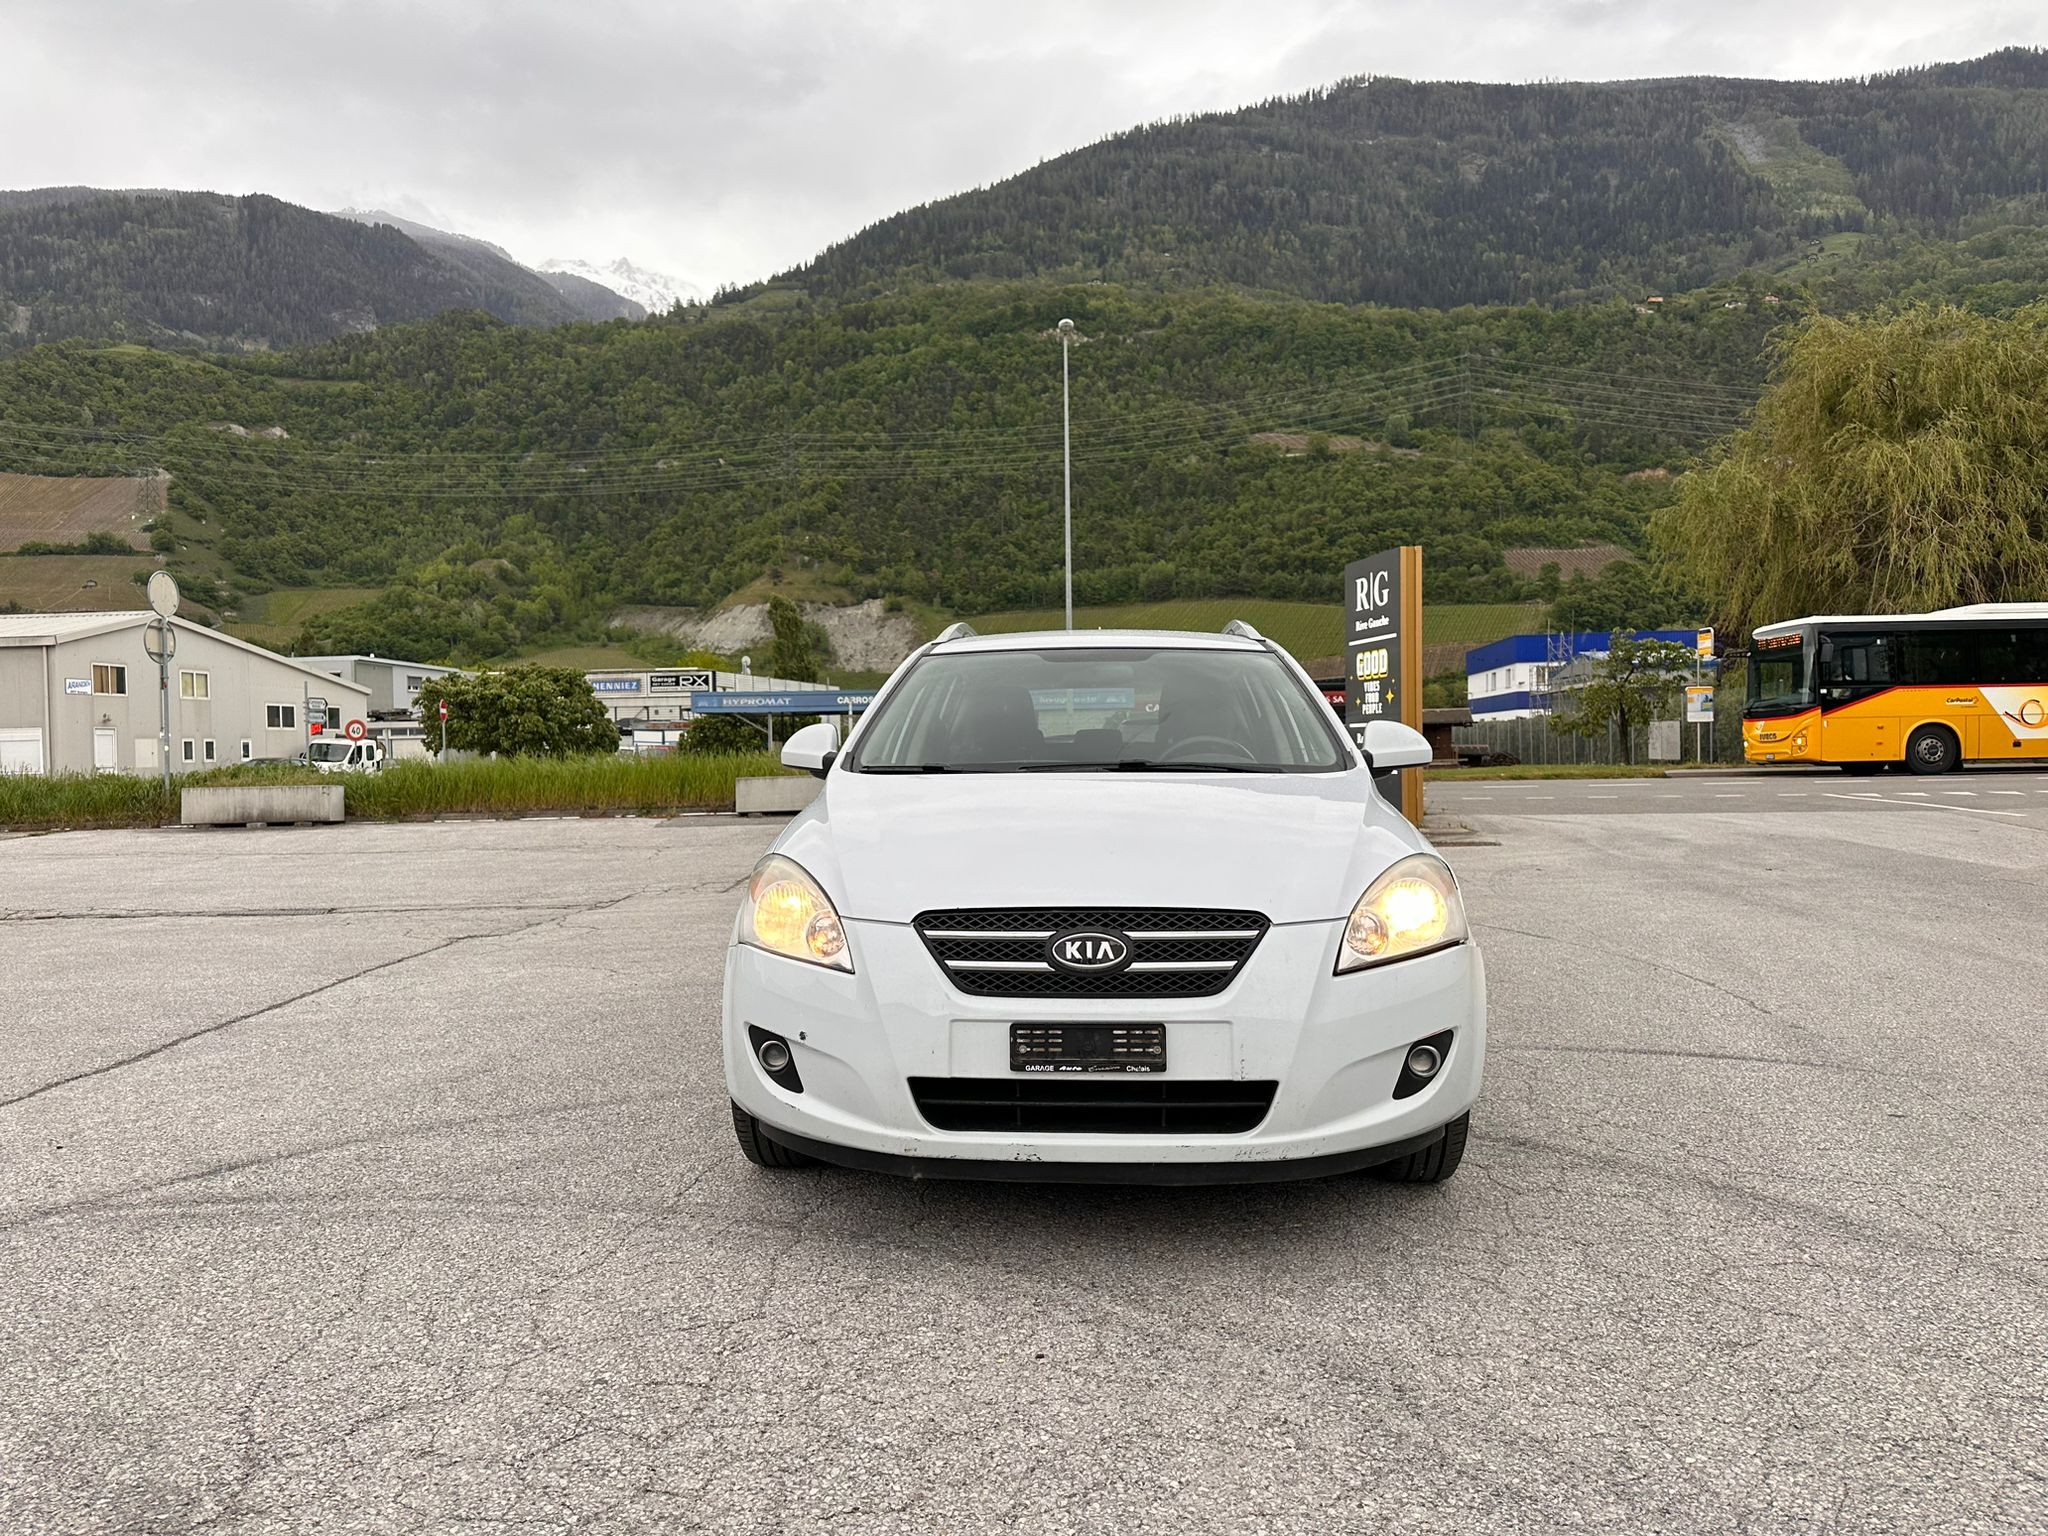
[[1510, 679]]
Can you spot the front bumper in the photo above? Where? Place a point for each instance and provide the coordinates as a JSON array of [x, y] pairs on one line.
[[1334, 1044]]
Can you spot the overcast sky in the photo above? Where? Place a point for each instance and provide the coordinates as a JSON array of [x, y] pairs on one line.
[[723, 142]]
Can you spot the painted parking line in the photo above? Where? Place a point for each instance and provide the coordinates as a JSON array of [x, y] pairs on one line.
[[1932, 805], [1966, 793], [2001, 791], [1728, 797], [1603, 797], [1791, 794]]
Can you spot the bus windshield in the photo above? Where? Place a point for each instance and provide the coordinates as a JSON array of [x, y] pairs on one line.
[[1780, 681]]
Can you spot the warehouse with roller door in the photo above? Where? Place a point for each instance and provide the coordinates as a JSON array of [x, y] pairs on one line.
[[79, 694]]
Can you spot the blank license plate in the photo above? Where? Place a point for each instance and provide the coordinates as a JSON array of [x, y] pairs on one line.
[[1087, 1047]]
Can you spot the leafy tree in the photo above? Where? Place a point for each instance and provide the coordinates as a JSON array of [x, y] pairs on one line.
[[526, 711], [1897, 463], [722, 736], [1630, 686], [798, 647]]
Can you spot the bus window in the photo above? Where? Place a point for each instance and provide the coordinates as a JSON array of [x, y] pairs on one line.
[[1938, 658], [2012, 656], [1853, 665]]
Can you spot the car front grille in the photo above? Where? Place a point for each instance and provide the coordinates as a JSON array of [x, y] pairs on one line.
[[1002, 952], [1113, 1106]]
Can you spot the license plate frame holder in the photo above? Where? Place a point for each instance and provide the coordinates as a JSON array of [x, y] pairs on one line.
[[1091, 1047]]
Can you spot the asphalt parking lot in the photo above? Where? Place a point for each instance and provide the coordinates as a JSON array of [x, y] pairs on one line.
[[2015, 795], [380, 1179]]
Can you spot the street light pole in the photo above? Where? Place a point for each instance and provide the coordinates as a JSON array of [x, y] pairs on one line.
[[1067, 454]]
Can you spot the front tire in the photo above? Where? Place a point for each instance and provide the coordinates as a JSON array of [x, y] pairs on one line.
[[1933, 749], [1433, 1164], [759, 1150]]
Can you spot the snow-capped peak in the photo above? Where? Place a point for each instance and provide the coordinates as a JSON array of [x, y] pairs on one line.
[[655, 291]]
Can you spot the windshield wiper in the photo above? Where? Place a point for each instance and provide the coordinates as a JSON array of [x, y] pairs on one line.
[[1142, 765], [903, 768]]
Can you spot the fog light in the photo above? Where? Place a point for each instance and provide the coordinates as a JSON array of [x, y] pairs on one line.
[[775, 1056], [1424, 1060]]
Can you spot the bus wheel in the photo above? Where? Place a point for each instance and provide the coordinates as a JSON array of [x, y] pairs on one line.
[[1933, 749]]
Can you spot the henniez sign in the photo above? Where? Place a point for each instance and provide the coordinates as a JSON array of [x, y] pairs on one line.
[[1383, 650]]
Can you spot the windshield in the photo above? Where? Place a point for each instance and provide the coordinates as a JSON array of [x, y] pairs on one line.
[[329, 751], [1100, 710], [1778, 680]]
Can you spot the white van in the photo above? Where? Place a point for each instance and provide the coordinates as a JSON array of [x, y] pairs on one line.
[[331, 756]]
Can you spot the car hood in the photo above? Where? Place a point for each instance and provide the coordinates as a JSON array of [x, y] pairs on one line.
[[1296, 847]]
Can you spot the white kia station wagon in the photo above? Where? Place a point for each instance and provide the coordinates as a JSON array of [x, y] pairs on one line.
[[1107, 906]]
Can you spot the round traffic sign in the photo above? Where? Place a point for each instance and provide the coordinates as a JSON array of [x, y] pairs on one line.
[[444, 709], [163, 593], [355, 730]]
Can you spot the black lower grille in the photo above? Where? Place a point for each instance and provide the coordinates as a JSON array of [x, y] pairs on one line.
[[1116, 1106], [1174, 952]]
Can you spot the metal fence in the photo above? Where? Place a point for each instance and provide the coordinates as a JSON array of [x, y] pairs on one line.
[[1533, 741]]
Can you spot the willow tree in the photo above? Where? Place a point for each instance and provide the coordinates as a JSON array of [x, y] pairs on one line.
[[1896, 462]]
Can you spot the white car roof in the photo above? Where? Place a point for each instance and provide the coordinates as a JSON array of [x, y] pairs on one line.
[[1061, 639]]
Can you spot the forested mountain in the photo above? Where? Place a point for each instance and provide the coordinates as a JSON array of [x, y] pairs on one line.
[[492, 267], [1396, 192], [510, 486], [196, 269]]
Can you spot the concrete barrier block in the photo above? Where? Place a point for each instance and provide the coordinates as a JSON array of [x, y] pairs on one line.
[[775, 796], [237, 805]]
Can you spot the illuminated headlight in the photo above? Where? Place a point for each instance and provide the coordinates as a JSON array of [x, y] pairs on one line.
[[1411, 909], [1799, 742], [788, 914]]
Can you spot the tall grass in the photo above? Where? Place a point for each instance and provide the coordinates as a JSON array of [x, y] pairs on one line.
[[84, 800], [570, 786]]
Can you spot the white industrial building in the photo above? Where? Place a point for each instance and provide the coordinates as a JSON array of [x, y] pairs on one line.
[[394, 685], [79, 694]]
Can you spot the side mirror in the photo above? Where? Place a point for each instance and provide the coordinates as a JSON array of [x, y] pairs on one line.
[[812, 748], [1388, 744]]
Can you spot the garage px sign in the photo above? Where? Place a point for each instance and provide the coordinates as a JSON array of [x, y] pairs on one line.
[[822, 701], [692, 680]]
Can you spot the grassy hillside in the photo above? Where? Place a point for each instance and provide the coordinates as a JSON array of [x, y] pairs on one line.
[[276, 618], [44, 509], [73, 583]]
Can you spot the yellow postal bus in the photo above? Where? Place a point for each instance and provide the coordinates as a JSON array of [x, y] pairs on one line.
[[1930, 690]]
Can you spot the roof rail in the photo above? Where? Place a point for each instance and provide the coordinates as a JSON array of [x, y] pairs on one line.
[[1242, 630], [960, 631]]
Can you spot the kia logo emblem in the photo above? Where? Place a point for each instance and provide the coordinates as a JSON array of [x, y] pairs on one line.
[[1089, 950]]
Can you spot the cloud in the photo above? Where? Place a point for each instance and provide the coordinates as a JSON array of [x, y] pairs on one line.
[[724, 142]]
